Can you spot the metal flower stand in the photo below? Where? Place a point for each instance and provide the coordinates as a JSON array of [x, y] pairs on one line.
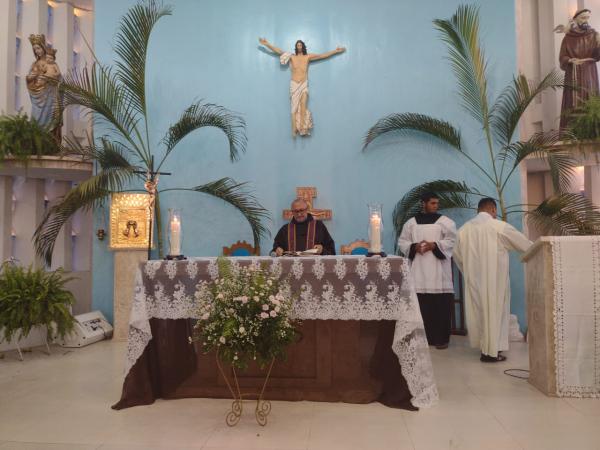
[[263, 407], [21, 351]]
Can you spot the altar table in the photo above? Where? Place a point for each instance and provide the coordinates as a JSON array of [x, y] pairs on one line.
[[362, 335]]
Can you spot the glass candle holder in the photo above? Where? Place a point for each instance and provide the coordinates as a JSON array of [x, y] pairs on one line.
[[375, 227], [175, 236]]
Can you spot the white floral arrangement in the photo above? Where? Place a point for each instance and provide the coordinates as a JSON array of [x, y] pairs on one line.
[[243, 315]]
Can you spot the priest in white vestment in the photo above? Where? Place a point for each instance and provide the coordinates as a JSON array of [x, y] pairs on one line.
[[481, 253], [428, 240]]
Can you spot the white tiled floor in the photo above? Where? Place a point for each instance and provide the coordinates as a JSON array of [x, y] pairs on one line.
[[62, 402]]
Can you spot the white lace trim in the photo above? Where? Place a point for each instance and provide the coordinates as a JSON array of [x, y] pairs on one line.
[[564, 292], [340, 288]]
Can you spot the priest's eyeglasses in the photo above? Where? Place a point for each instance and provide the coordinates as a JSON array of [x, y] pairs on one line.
[[299, 211]]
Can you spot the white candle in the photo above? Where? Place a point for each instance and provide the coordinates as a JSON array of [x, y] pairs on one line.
[[375, 224], [175, 236]]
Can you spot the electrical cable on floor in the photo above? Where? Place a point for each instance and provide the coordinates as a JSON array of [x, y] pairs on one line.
[[507, 372]]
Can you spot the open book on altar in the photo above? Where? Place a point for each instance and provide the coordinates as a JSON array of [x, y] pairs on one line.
[[311, 252]]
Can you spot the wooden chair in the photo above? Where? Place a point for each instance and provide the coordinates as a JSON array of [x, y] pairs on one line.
[[357, 247], [457, 317], [241, 248]]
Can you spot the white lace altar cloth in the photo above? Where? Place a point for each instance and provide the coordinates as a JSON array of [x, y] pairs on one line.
[[576, 269], [329, 287]]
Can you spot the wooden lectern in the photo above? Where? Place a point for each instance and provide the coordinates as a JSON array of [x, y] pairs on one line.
[[540, 320]]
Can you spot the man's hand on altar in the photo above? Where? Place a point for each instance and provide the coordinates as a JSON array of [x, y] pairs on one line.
[[278, 251], [319, 249]]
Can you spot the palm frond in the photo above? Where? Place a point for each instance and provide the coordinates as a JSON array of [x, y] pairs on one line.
[[99, 92], [84, 196], [514, 100], [467, 59], [566, 214], [199, 115], [452, 194], [542, 145], [132, 47], [238, 196], [106, 152], [411, 122]]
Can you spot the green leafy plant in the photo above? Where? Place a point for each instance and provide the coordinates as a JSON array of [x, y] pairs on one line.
[[244, 315], [498, 121], [21, 138], [585, 122], [33, 297], [115, 97]]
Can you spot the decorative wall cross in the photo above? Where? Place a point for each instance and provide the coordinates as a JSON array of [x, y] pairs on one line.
[[308, 194]]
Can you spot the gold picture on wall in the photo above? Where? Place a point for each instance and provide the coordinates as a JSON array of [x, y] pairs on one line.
[[130, 216]]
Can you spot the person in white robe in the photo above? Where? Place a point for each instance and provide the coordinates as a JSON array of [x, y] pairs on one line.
[[428, 240], [481, 254]]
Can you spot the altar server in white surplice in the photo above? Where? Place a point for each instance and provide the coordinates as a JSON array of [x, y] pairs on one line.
[[481, 253], [428, 240]]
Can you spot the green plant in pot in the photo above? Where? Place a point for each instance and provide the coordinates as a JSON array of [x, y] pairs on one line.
[[33, 297], [22, 137], [585, 122]]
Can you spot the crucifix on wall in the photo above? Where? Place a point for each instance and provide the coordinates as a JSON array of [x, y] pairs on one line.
[[308, 194]]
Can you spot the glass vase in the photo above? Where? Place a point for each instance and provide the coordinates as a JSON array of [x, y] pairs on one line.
[[375, 227], [175, 232]]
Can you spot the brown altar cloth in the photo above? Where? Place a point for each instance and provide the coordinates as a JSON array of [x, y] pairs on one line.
[[335, 360]]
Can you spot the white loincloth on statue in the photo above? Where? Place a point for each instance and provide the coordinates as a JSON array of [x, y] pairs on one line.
[[301, 123]]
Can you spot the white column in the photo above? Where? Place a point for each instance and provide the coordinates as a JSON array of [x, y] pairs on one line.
[[8, 36], [62, 248], [548, 185], [552, 13], [34, 21], [28, 213], [63, 42], [35, 17], [6, 189], [82, 226], [592, 184], [85, 38]]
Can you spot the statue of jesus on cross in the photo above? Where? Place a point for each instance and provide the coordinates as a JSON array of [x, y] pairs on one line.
[[301, 116]]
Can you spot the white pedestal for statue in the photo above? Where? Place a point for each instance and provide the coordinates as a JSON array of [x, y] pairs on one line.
[[26, 191], [563, 314], [126, 264]]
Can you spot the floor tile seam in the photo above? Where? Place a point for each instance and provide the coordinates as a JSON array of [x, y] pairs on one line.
[[209, 436], [310, 425], [489, 410], [29, 441], [573, 407], [410, 438]]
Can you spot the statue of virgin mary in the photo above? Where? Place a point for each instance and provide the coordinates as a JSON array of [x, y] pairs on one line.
[[42, 84]]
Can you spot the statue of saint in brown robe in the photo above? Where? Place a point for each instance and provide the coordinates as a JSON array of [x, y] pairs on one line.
[[579, 52]]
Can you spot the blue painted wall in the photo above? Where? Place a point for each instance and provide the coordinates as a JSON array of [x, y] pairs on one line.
[[394, 63]]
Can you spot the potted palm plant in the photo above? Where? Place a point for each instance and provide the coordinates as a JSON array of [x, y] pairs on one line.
[[498, 119], [116, 98]]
